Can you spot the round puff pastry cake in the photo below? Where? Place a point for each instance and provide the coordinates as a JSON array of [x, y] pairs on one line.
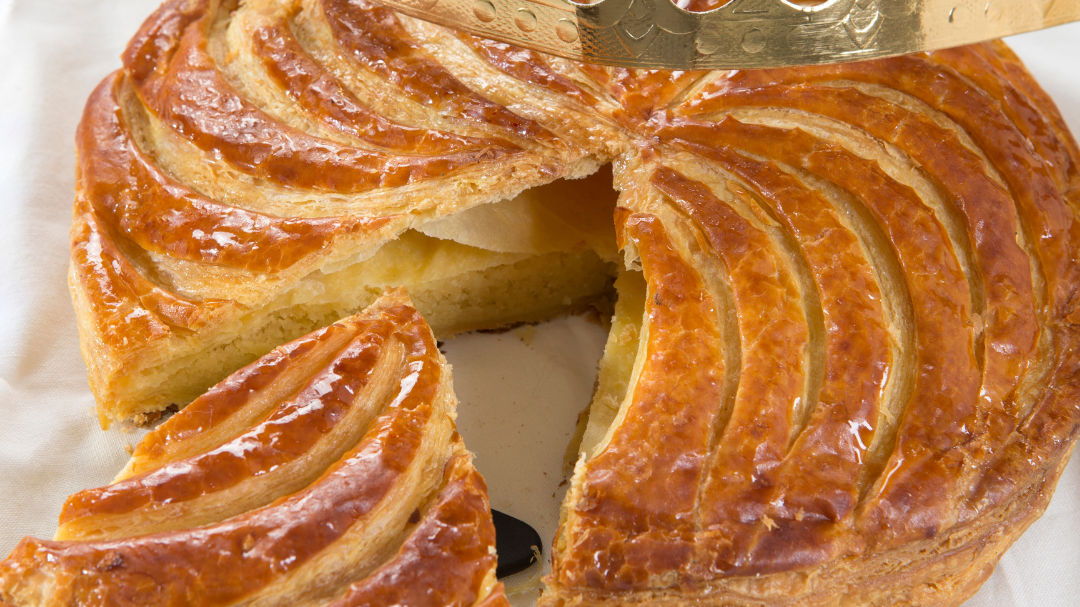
[[328, 472], [843, 364]]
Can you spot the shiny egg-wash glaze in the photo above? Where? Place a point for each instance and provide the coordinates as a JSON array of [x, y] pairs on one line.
[[282, 451], [395, 514], [858, 374]]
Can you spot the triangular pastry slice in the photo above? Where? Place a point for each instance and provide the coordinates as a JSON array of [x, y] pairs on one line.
[[326, 473]]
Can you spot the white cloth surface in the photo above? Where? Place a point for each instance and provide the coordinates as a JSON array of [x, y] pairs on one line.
[[520, 391]]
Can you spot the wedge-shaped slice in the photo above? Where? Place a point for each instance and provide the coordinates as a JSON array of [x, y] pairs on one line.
[[327, 472]]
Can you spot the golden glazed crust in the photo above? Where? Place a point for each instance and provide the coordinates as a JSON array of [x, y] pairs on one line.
[[354, 489], [857, 367]]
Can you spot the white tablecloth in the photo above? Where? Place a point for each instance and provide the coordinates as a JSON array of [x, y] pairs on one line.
[[520, 391]]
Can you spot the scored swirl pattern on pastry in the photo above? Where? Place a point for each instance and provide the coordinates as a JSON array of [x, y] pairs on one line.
[[858, 363], [328, 472]]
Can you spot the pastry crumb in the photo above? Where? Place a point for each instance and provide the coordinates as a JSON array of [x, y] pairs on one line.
[[526, 333], [977, 323], [110, 561]]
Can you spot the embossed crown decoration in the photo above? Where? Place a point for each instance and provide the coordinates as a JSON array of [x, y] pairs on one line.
[[741, 33]]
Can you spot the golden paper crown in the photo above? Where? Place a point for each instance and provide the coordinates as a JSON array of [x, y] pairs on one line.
[[742, 33]]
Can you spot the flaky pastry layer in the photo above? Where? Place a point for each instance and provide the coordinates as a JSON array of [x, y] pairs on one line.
[[326, 473]]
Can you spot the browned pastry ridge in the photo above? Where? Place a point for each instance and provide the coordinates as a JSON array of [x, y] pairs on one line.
[[843, 367], [326, 473]]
